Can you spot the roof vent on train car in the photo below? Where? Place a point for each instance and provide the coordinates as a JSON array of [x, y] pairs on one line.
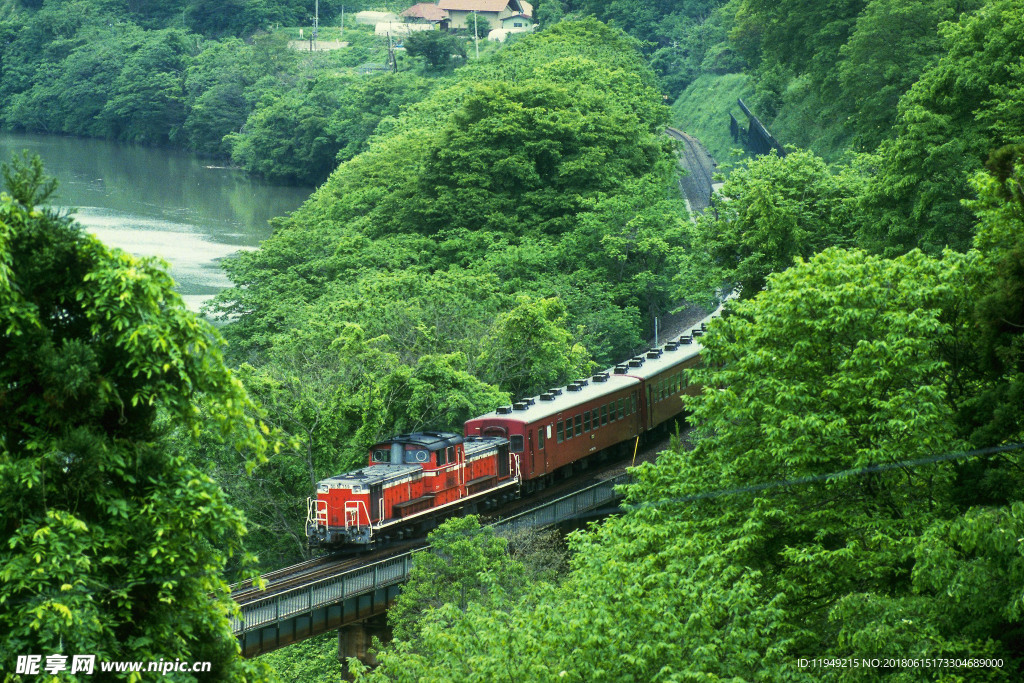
[[601, 377], [620, 369], [573, 387], [671, 346], [704, 327], [529, 401], [581, 383], [696, 332], [547, 396], [520, 405], [555, 392], [503, 410], [654, 353], [686, 339], [635, 362]]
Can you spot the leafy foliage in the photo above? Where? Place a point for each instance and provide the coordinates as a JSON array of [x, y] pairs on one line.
[[114, 543], [771, 211], [945, 131], [796, 528]]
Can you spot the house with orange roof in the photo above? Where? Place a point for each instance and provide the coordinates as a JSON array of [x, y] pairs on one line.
[[427, 13], [494, 11]]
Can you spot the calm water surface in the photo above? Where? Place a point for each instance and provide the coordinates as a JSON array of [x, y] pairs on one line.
[[155, 202]]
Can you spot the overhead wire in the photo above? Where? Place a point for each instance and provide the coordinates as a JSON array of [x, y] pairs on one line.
[[799, 481]]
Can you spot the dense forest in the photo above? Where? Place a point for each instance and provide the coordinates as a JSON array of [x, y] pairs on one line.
[[490, 227]]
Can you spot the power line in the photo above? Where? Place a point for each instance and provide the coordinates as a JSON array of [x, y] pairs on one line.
[[800, 481]]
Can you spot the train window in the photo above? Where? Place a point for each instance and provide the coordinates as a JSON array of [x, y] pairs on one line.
[[540, 438], [634, 404], [579, 425], [516, 443], [586, 421], [380, 456], [611, 411], [604, 415], [417, 456], [621, 413], [559, 431]]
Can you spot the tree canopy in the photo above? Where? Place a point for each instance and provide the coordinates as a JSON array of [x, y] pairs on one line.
[[114, 544]]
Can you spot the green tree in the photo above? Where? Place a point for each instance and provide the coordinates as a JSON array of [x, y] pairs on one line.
[[464, 563], [945, 129], [147, 104], [114, 544], [529, 349], [549, 12], [772, 211], [435, 47], [997, 413], [891, 45]]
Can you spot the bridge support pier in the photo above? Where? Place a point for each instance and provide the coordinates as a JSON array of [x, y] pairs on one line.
[[356, 640]]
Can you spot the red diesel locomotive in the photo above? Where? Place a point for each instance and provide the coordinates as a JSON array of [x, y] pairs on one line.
[[415, 480]]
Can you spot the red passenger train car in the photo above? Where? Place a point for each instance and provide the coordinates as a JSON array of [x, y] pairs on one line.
[[414, 480], [562, 427]]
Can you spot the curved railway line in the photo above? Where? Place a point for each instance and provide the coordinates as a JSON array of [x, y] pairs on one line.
[[697, 185]]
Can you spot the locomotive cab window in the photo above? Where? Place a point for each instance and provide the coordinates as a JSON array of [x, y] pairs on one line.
[[516, 443], [540, 438], [380, 456], [416, 456]]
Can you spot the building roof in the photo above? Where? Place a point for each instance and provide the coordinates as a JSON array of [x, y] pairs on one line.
[[426, 10], [478, 5]]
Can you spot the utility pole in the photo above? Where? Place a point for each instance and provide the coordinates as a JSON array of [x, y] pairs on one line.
[[341, 32], [316, 21], [476, 38]]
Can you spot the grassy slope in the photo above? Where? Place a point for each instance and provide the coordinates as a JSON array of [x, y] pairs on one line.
[[703, 111]]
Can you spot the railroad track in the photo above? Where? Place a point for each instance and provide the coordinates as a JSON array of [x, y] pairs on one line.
[[695, 159], [313, 570]]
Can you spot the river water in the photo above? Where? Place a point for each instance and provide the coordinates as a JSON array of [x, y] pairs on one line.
[[155, 202]]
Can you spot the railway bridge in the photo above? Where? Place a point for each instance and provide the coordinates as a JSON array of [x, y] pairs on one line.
[[352, 596]]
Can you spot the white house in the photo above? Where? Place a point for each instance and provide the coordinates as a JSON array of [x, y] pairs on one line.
[[494, 11]]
